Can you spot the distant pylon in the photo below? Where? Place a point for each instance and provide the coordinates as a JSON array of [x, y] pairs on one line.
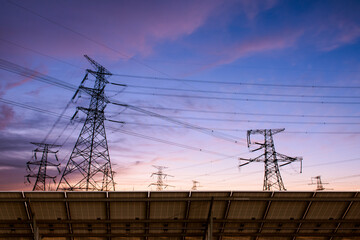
[[38, 168], [89, 166], [271, 158], [195, 185], [160, 185], [319, 183]]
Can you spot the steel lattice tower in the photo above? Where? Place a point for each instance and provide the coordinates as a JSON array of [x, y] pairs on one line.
[[41, 183], [271, 158], [319, 184], [160, 185], [90, 159]]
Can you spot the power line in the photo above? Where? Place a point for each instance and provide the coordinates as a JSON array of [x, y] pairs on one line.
[[182, 145], [254, 121], [239, 99], [314, 165], [40, 110], [40, 53], [237, 65], [190, 126], [254, 114], [26, 72], [12, 67], [237, 93], [166, 141], [243, 130], [207, 162], [237, 83], [175, 89]]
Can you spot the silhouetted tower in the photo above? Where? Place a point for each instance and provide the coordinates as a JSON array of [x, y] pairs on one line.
[[89, 166], [271, 158], [39, 168], [195, 185], [319, 183], [160, 185]]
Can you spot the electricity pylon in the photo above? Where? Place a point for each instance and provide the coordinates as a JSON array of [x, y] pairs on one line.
[[271, 158], [319, 183], [160, 185], [89, 166], [39, 168]]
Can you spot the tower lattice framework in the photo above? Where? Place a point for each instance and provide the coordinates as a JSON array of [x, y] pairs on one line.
[[89, 166], [38, 168], [272, 159]]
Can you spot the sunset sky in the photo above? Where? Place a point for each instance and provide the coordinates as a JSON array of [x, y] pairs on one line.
[[228, 66]]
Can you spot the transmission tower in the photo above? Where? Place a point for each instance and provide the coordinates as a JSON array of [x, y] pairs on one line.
[[89, 166], [271, 158], [160, 185], [38, 168], [195, 185], [319, 183]]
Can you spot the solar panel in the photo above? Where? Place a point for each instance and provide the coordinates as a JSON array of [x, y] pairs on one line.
[[180, 215]]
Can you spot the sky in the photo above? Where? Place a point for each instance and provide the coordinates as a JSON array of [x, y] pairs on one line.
[[223, 66]]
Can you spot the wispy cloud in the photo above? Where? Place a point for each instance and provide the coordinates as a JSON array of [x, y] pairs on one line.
[[252, 46], [6, 116], [252, 8]]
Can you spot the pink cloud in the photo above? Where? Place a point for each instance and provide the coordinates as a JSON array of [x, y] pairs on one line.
[[346, 33], [255, 45], [341, 26], [6, 116], [280, 41], [252, 8], [21, 82]]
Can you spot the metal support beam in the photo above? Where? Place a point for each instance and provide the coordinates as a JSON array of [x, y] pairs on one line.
[[36, 230], [209, 227], [343, 216], [28, 212], [108, 225], [147, 215], [187, 213], [265, 214], [68, 215], [225, 215], [304, 215]]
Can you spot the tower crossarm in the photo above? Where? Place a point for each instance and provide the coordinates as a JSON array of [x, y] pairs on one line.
[[42, 145], [262, 132], [250, 160], [87, 110], [97, 65], [97, 93], [285, 160]]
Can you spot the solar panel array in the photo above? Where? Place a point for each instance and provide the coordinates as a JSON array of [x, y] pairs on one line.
[[180, 215]]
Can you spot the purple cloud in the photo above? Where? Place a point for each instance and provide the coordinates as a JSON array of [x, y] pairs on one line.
[[133, 28]]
